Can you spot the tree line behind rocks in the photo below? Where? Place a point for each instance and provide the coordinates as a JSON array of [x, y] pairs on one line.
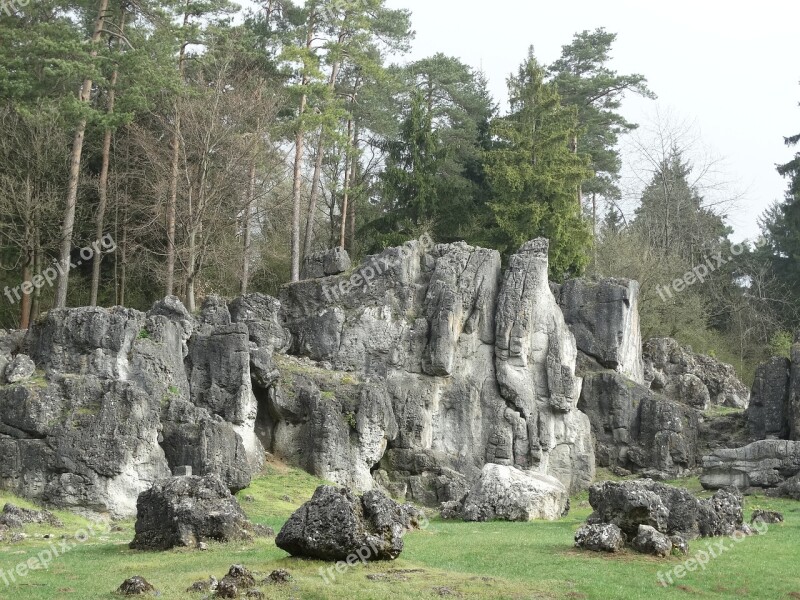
[[217, 147]]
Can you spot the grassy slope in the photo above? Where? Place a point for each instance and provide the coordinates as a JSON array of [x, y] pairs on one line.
[[471, 560]]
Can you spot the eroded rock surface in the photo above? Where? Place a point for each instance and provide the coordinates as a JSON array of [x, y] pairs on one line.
[[185, 511], [694, 379], [428, 363], [667, 509], [123, 398], [508, 494], [604, 317], [638, 430], [762, 464], [602, 537], [336, 524]]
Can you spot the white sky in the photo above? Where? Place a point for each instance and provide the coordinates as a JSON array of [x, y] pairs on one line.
[[730, 68]]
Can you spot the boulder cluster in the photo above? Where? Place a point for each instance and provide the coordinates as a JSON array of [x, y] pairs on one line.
[[655, 518]]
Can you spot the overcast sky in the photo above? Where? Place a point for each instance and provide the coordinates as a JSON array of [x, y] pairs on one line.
[[729, 68]]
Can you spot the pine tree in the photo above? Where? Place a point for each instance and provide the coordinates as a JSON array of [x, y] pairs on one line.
[[534, 173]]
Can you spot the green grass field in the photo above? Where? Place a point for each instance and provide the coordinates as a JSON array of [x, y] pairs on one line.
[[448, 559]]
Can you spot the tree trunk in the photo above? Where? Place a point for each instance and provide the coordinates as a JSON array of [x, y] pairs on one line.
[[353, 179], [315, 180], [346, 191], [172, 204], [251, 197], [37, 268], [298, 162], [68, 223], [103, 183]]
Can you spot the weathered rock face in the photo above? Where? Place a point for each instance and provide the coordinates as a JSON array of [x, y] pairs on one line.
[[667, 509], [694, 379], [637, 430], [336, 524], [604, 317], [115, 406], [184, 511], [325, 263], [430, 364], [768, 413], [603, 537], [652, 541], [509, 494], [763, 464]]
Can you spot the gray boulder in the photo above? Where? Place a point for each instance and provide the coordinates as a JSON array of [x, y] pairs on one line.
[[766, 516], [19, 369], [15, 517], [337, 524], [603, 537], [669, 510], [506, 493], [136, 586], [604, 317], [790, 488], [325, 263], [650, 541], [184, 511]]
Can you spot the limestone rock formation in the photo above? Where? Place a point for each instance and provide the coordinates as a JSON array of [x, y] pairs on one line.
[[407, 373], [135, 586], [336, 524], [325, 263], [428, 364], [768, 413], [123, 398], [184, 511], [667, 509], [638, 430], [694, 379], [652, 541], [604, 317], [20, 368], [15, 517], [602, 537], [508, 494], [762, 464]]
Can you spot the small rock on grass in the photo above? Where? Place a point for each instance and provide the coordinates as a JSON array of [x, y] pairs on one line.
[[279, 576], [135, 586], [766, 516], [601, 537], [207, 585], [240, 576]]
